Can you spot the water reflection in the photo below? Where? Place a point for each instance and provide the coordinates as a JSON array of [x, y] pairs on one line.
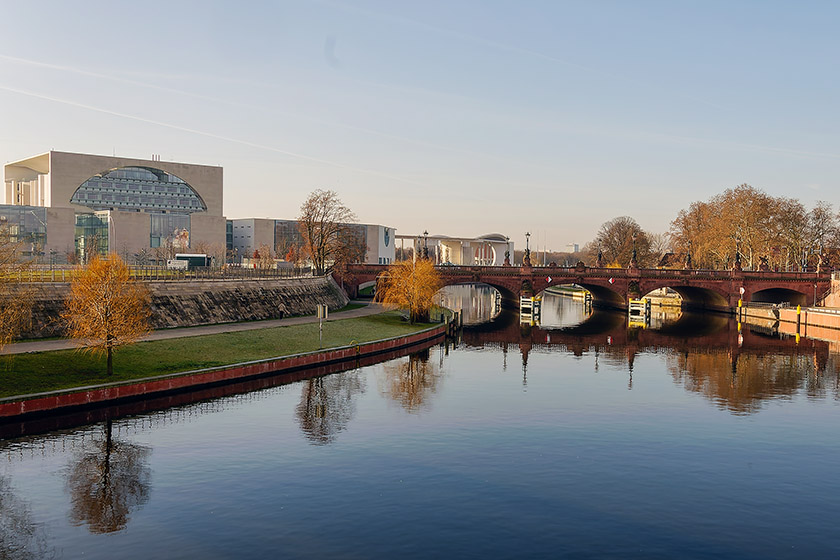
[[742, 382], [290, 458], [709, 354], [479, 303], [327, 404], [411, 381], [21, 537], [563, 308], [106, 482]]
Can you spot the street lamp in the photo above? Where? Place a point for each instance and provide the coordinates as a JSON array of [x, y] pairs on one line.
[[425, 244], [526, 261], [688, 256]]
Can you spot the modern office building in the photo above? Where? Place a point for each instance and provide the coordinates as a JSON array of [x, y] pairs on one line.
[[249, 234], [68, 205]]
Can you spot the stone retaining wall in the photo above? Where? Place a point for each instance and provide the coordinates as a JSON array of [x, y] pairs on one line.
[[188, 303]]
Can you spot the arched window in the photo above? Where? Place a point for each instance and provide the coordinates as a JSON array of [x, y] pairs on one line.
[[138, 188]]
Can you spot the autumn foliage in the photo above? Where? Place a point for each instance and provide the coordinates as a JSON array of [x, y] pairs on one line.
[[410, 285], [15, 301], [106, 308], [779, 230]]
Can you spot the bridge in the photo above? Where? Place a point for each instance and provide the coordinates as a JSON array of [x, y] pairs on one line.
[[714, 290]]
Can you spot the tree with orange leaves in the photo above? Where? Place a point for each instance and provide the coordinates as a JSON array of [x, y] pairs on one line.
[[15, 301], [106, 308], [410, 285]]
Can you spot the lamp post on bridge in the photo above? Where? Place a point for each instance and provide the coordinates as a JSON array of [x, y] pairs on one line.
[[507, 251], [526, 261], [633, 262], [425, 244], [688, 256]]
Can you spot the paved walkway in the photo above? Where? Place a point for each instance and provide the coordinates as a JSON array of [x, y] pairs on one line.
[[63, 343]]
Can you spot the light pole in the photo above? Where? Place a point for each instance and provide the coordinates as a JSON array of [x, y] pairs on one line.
[[526, 261], [688, 256], [425, 244]]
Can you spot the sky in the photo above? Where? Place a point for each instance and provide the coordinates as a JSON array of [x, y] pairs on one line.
[[459, 117]]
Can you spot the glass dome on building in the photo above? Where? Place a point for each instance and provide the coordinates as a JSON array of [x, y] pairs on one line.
[[138, 188]]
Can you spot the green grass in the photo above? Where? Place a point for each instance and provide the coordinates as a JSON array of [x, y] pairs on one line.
[[22, 374]]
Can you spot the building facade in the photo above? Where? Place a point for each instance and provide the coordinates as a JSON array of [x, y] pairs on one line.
[[68, 206], [485, 250], [285, 241]]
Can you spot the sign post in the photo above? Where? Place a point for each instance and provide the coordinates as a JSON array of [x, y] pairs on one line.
[[323, 311]]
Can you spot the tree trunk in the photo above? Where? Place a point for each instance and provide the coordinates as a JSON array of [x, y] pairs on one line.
[[110, 367]]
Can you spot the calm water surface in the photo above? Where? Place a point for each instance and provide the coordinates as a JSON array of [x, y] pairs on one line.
[[567, 440]]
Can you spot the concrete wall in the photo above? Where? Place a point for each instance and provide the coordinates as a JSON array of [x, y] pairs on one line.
[[61, 233], [202, 302], [206, 229], [129, 233]]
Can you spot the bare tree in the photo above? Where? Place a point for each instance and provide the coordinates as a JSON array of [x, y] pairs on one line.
[[325, 225], [617, 239]]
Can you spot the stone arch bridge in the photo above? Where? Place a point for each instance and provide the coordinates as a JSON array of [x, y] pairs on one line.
[[715, 290]]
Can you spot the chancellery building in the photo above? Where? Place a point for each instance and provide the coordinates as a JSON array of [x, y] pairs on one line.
[[63, 207]]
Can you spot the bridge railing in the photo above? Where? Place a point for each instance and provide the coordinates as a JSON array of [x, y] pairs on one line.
[[559, 271], [159, 273]]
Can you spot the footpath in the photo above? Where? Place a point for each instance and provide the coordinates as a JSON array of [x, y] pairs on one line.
[[68, 344]]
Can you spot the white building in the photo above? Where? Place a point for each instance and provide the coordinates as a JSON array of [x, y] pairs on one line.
[[485, 250]]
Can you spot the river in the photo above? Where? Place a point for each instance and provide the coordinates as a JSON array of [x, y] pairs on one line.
[[577, 436]]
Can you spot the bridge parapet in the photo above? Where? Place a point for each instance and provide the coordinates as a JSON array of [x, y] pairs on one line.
[[713, 289]]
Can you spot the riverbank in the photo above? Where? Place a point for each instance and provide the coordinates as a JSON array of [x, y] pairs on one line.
[[138, 386], [37, 372], [821, 323]]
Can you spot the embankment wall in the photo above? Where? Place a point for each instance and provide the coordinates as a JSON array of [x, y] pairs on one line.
[[823, 324], [187, 303]]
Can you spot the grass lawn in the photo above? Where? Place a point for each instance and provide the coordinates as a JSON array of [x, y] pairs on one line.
[[22, 374]]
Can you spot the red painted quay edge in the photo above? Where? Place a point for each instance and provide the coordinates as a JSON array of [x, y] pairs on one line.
[[13, 408]]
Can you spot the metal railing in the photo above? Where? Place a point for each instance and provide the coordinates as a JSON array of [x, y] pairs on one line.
[[163, 274]]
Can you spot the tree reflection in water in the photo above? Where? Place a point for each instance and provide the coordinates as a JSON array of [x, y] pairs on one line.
[[410, 381], [20, 536], [327, 404], [107, 483], [741, 383]]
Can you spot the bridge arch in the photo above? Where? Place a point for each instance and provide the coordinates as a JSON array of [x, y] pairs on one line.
[[695, 297], [779, 295], [510, 300], [604, 297]]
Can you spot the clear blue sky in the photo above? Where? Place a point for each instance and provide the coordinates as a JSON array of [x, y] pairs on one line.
[[460, 117]]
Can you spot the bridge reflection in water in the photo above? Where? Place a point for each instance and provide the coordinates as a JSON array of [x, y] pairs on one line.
[[707, 353]]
